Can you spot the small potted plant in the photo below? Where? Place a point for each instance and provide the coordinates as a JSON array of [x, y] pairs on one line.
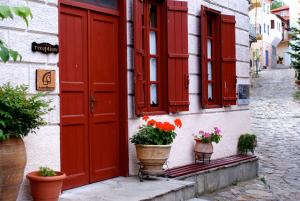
[[46, 184], [20, 114], [153, 144], [247, 142], [203, 147]]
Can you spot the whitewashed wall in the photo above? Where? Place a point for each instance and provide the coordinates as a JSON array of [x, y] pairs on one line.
[[233, 121], [43, 148]]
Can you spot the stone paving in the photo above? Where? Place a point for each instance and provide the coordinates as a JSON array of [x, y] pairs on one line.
[[275, 119]]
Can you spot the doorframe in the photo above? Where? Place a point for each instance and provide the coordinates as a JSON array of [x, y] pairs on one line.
[[123, 91]]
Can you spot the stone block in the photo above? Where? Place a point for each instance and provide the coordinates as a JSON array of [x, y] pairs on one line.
[[14, 73], [193, 25], [194, 86], [130, 33], [45, 18], [194, 64], [130, 82], [130, 63], [224, 178], [193, 43], [189, 192], [21, 41], [200, 184], [242, 53], [211, 181]]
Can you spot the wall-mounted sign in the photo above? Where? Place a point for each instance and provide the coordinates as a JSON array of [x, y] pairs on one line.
[[243, 94], [45, 48], [45, 80]]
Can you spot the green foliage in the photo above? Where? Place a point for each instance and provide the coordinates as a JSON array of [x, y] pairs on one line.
[[150, 135], [9, 12], [46, 172], [276, 4], [247, 142], [297, 95], [295, 47], [19, 112]]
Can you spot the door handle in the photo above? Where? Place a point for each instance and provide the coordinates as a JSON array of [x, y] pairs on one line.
[[92, 103]]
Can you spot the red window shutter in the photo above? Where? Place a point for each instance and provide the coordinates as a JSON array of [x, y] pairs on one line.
[[203, 32], [139, 56], [228, 60], [178, 77]]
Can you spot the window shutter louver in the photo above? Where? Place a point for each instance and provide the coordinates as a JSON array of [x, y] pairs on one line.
[[203, 35], [178, 77], [139, 55], [228, 60]]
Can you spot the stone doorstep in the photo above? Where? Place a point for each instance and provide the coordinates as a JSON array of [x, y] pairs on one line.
[[131, 189]]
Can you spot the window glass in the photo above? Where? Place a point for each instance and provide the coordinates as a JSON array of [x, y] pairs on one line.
[[153, 76], [210, 92], [209, 49], [113, 4], [209, 70], [153, 16], [152, 43], [153, 95]]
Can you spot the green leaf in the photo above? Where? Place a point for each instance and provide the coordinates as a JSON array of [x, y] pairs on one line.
[[14, 55], [23, 12], [5, 12], [4, 54]]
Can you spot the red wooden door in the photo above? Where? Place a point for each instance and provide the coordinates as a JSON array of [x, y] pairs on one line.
[[104, 141], [89, 96]]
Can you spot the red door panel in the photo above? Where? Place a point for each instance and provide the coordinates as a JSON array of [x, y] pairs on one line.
[[104, 132], [89, 96], [73, 96]]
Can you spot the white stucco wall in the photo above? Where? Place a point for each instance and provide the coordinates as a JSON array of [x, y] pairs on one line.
[[233, 121], [43, 148]]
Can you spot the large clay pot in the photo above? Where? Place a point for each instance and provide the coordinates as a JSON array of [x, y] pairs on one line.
[[203, 151], [45, 188], [152, 157], [12, 164]]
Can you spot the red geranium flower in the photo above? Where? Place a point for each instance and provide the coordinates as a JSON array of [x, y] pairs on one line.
[[151, 122], [178, 123], [145, 118]]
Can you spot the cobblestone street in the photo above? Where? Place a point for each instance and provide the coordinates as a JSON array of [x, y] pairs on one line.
[[275, 118]]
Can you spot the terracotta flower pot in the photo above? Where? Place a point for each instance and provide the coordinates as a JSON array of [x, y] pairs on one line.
[[153, 157], [45, 188], [203, 151], [12, 164]]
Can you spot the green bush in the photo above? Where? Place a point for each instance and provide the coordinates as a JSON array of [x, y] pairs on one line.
[[247, 142], [19, 112], [46, 172]]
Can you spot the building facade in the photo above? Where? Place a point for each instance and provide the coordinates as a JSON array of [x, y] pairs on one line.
[[119, 60]]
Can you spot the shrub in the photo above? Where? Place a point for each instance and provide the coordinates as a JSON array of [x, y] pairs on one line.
[[19, 112], [247, 142]]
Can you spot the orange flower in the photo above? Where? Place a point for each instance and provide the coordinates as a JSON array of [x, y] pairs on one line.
[[178, 123], [151, 122], [145, 118], [159, 125]]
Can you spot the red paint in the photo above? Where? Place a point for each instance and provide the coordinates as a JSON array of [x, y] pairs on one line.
[[92, 65], [228, 60], [223, 58], [178, 77]]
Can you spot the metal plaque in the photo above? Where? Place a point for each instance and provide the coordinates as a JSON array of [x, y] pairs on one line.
[[243, 94]]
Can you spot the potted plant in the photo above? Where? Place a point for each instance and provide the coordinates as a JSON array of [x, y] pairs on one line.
[[247, 142], [20, 114], [203, 147], [153, 144], [45, 184]]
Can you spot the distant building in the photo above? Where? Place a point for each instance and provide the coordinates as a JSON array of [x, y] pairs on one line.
[[282, 54]]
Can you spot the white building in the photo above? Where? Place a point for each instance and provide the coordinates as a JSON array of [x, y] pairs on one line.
[[77, 142]]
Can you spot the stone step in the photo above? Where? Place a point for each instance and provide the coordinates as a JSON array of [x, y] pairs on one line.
[[131, 189]]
